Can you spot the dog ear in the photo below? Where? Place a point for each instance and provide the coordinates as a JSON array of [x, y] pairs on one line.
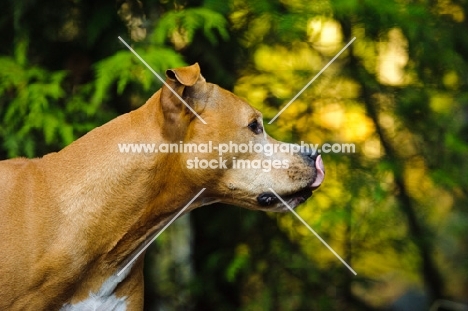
[[186, 76], [186, 82]]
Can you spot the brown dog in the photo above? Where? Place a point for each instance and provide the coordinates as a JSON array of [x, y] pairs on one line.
[[70, 220]]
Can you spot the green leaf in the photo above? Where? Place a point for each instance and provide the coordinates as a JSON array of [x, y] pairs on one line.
[[50, 124], [66, 132], [188, 21]]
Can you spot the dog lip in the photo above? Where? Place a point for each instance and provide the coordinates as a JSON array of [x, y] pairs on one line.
[[320, 175], [297, 198], [294, 199], [300, 196]]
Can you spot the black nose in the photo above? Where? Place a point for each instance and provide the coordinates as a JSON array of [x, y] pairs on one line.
[[310, 155]]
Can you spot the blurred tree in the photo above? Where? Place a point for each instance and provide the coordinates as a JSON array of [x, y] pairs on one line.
[[396, 210], [401, 100]]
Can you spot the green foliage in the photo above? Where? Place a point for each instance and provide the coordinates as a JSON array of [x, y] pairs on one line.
[[35, 95], [239, 262], [186, 22], [39, 104], [124, 67]]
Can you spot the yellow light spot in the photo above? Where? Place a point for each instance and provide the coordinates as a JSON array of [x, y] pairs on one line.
[[325, 34], [357, 127], [451, 80], [441, 104], [332, 116], [372, 148], [393, 57]]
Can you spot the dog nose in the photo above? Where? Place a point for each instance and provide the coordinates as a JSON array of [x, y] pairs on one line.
[[313, 155], [310, 155]]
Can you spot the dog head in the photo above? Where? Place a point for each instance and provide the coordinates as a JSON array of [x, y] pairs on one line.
[[227, 149]]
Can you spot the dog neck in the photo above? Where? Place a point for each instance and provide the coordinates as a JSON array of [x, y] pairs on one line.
[[109, 207]]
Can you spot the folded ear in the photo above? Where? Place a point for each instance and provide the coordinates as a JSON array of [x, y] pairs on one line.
[[185, 82], [186, 76]]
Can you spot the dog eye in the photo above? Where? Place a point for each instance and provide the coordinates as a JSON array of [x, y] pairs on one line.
[[255, 127]]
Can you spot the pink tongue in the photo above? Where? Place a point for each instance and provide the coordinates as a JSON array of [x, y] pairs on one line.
[[320, 172]]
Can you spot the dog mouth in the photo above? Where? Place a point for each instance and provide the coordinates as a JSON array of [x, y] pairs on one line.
[[269, 199]]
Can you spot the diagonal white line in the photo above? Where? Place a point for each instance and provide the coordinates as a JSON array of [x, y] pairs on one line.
[[313, 79], [161, 79], [312, 230], [159, 233]]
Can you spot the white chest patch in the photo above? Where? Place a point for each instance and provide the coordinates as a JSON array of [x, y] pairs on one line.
[[104, 299], [98, 303]]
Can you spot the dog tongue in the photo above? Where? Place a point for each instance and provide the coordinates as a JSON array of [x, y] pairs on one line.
[[320, 172]]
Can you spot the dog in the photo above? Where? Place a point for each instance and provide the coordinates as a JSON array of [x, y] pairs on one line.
[[69, 221]]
